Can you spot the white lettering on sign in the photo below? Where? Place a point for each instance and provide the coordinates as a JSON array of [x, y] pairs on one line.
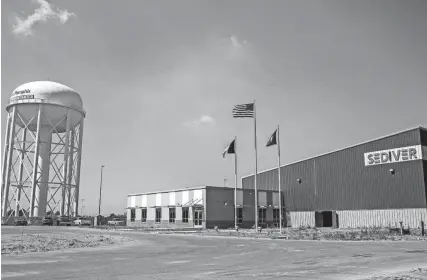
[[16, 92], [394, 155]]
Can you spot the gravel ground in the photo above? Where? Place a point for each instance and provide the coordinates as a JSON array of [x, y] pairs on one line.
[[25, 243], [167, 257]]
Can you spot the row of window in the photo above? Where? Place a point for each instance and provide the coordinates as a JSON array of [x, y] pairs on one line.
[[262, 214], [172, 215]]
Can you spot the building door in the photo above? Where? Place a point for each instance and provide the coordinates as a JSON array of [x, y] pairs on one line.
[[198, 217]]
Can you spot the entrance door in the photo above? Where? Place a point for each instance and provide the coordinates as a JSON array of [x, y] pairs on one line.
[[198, 217]]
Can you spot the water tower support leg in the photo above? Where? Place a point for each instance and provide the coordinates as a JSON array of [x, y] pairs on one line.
[[9, 164], [65, 166], [5, 153], [34, 182], [21, 171], [70, 173], [79, 160]]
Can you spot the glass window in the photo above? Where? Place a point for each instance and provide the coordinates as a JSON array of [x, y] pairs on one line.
[[132, 215], [172, 215], [144, 215], [262, 215], [276, 217], [239, 215], [158, 215], [185, 214]]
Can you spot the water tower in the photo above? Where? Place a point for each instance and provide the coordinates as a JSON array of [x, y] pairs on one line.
[[42, 151]]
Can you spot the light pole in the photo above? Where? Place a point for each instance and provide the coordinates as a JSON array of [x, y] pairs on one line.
[[100, 192], [81, 211]]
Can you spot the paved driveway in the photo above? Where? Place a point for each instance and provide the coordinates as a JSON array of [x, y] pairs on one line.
[[185, 257]]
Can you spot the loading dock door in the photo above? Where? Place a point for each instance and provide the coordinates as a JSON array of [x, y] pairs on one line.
[[326, 219]]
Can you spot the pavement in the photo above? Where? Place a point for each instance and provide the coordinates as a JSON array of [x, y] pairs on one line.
[[156, 256]]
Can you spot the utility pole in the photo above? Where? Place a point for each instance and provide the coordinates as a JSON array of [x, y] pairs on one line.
[[100, 192]]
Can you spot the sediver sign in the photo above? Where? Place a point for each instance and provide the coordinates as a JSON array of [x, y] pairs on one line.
[[394, 155]]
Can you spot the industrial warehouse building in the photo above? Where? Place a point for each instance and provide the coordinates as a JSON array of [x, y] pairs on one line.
[[378, 183], [201, 207]]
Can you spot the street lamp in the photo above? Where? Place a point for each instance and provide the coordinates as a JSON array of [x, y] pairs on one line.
[[81, 211], [100, 192]]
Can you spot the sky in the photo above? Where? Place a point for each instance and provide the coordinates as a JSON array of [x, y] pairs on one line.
[[159, 80]]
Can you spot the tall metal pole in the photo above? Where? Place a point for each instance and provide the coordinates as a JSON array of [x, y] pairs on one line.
[[34, 183], [79, 161], [100, 192], [65, 165], [235, 182], [256, 174], [9, 164], [70, 172], [21, 171], [6, 149], [278, 172], [81, 211]]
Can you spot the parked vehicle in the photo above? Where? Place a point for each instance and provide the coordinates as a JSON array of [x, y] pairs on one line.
[[116, 222], [21, 221], [63, 221], [82, 222], [47, 221]]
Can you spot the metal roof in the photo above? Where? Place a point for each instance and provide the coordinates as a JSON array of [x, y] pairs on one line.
[[178, 190]]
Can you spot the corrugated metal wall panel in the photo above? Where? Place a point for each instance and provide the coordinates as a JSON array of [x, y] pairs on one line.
[[144, 200], [158, 199], [341, 181], [151, 214], [425, 177], [302, 219], [239, 197], [276, 199], [172, 198], [381, 218], [138, 201], [165, 214], [262, 198], [270, 199], [198, 196], [151, 200], [165, 199], [138, 214], [185, 197], [178, 198]]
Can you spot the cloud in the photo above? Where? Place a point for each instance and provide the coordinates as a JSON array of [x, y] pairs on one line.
[[203, 120], [236, 43], [45, 12]]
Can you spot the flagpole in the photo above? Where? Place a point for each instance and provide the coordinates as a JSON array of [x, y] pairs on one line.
[[256, 173], [278, 173], [235, 182]]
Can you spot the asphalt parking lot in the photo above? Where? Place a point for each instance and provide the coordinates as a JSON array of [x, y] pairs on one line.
[[152, 256]]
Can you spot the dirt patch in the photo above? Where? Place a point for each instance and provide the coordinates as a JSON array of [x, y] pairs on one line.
[[25, 243], [415, 274]]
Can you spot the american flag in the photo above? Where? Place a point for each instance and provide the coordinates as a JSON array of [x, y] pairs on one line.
[[243, 111]]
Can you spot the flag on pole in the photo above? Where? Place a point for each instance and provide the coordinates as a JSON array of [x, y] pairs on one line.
[[273, 139], [230, 149], [243, 111]]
